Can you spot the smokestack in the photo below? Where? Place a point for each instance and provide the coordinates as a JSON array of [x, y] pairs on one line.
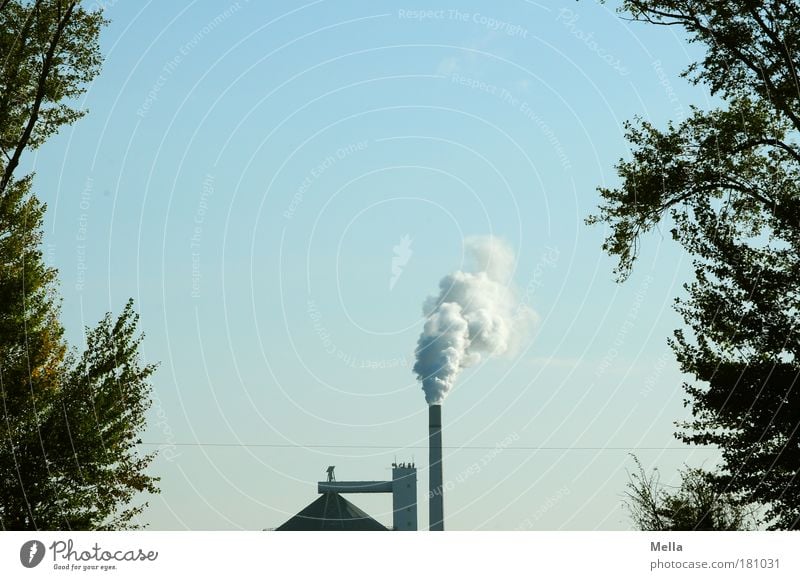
[[477, 314], [436, 509]]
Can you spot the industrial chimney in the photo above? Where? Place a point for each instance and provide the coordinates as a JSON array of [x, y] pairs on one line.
[[436, 509]]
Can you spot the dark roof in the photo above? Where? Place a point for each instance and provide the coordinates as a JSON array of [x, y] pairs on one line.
[[331, 513]]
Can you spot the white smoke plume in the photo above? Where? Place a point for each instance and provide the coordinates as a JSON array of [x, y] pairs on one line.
[[476, 314]]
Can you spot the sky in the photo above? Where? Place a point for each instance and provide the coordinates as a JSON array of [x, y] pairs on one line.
[[280, 186]]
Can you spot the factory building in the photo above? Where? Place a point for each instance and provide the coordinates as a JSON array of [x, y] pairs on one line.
[[332, 512]]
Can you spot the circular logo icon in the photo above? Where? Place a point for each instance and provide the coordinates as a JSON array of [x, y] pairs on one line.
[[31, 553]]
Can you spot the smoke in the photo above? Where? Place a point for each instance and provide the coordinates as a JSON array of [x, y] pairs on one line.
[[477, 314]]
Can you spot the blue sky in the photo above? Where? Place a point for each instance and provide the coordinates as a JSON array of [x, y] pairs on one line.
[[245, 172]]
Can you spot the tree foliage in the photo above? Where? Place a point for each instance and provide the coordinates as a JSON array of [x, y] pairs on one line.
[[50, 50], [695, 505], [69, 420], [727, 181]]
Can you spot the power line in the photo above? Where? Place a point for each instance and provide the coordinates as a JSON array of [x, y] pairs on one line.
[[465, 447]]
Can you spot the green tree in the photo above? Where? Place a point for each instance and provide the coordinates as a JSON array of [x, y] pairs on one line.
[[70, 420], [91, 439], [49, 51], [726, 180], [695, 505]]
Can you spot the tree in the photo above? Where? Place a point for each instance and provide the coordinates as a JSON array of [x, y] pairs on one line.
[[50, 51], [696, 505], [70, 420], [727, 181], [95, 429]]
